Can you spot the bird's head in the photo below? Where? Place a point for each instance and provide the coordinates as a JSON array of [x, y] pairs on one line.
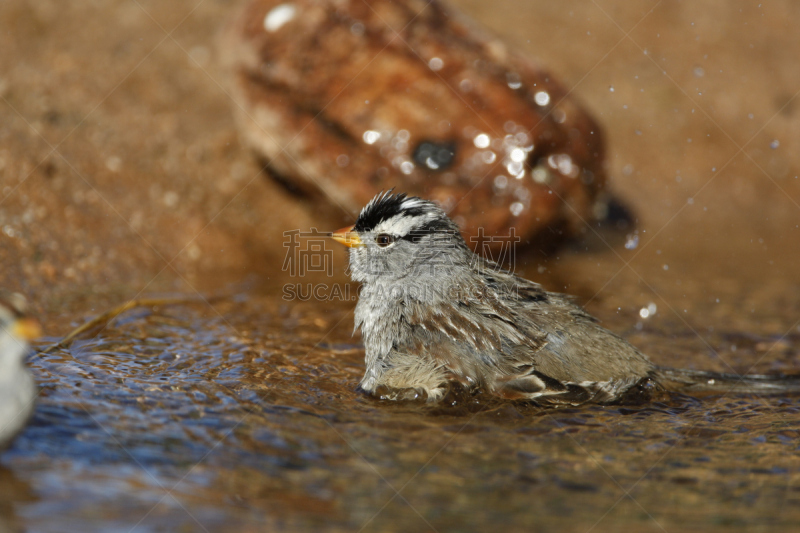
[[399, 238], [16, 328]]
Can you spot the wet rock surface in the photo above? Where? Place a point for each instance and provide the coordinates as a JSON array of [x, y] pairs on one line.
[[122, 174], [346, 99]]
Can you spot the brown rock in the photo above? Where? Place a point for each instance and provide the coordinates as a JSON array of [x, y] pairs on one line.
[[345, 99]]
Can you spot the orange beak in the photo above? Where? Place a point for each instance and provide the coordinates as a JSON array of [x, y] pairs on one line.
[[26, 328], [348, 237]]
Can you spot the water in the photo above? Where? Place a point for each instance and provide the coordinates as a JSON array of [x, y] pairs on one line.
[[244, 415]]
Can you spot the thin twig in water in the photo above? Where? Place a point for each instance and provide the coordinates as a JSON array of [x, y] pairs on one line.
[[110, 315]]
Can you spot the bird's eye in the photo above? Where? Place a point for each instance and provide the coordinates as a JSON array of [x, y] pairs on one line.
[[384, 239], [435, 155]]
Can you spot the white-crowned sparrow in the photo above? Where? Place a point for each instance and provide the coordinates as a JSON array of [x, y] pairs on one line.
[[433, 312], [17, 388]]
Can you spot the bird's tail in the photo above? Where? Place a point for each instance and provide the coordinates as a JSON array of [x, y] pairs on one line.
[[690, 381]]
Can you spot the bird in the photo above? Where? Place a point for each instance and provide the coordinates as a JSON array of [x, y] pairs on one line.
[[433, 314], [17, 386]]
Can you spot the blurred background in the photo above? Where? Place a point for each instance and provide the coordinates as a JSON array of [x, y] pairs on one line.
[[122, 174], [122, 171]]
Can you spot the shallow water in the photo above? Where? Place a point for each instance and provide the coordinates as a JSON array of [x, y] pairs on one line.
[[243, 414]]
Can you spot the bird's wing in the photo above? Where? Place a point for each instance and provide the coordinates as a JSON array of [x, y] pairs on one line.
[[481, 317], [545, 390]]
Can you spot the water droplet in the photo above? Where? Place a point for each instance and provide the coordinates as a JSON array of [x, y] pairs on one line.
[[501, 182], [357, 29], [690, 200], [516, 208], [371, 136], [648, 311], [434, 156], [565, 166], [114, 163], [170, 198], [278, 16], [465, 85], [632, 241], [611, 89], [541, 98], [488, 157], [342, 160], [775, 144], [513, 80], [522, 194], [194, 252], [403, 136], [400, 146], [515, 169], [481, 140], [699, 72], [436, 64], [541, 175], [665, 267], [517, 155]]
